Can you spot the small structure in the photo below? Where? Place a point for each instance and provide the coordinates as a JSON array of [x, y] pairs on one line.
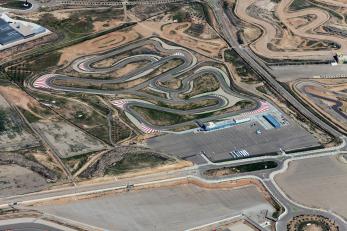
[[14, 32], [7, 33], [272, 120]]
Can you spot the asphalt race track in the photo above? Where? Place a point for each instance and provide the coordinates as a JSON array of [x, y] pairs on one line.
[[186, 72]]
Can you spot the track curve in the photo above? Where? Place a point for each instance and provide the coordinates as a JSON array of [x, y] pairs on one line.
[[186, 72], [270, 33]]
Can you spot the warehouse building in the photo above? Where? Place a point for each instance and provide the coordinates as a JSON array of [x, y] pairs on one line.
[[272, 120], [13, 32], [8, 34]]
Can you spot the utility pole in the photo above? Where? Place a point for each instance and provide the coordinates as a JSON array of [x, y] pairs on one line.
[[124, 3]]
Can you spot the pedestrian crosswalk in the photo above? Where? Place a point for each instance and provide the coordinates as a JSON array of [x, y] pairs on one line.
[[239, 153]]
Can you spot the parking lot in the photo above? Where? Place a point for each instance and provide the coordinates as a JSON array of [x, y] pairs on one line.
[[169, 208], [254, 138]]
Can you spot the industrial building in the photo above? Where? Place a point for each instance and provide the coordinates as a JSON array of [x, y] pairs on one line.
[[7, 33], [13, 32], [272, 120]]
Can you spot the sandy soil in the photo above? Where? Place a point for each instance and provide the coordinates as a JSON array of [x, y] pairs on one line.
[[175, 32], [171, 31], [68, 140], [18, 180], [293, 32], [45, 160], [103, 25], [19, 98], [99, 44]]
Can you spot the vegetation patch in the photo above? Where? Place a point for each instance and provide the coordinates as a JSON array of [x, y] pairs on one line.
[[162, 118], [242, 68], [226, 171], [136, 161], [203, 84]]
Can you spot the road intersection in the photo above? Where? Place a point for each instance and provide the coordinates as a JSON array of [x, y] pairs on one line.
[[291, 208]]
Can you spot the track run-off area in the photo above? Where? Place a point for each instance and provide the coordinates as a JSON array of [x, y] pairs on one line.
[[144, 87]]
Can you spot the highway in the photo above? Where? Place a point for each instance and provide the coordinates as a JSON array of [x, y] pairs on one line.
[[186, 72]]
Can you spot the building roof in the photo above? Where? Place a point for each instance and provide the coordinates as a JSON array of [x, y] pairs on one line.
[[7, 33]]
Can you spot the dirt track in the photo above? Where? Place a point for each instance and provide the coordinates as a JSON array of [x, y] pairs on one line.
[[306, 31]]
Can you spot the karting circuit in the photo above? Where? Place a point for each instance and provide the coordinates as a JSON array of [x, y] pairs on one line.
[[327, 96], [160, 87], [289, 29]]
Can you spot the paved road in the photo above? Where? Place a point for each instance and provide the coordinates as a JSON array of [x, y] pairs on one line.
[[266, 176], [186, 72], [258, 65]]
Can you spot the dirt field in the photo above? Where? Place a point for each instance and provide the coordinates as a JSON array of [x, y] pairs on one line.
[[19, 98], [68, 140], [14, 134], [16, 180], [99, 44], [210, 44], [317, 182]]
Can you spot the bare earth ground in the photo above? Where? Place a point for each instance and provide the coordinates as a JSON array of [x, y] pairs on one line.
[[209, 47], [168, 208], [19, 98], [68, 140], [317, 182], [16, 180], [15, 136], [293, 42]]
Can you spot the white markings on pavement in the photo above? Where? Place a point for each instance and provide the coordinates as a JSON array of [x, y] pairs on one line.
[[147, 129], [41, 82], [119, 103], [264, 106], [178, 54], [82, 67]]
